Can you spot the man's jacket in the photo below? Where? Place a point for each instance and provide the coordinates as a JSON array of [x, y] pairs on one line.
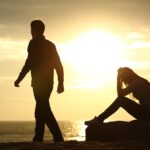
[[42, 60]]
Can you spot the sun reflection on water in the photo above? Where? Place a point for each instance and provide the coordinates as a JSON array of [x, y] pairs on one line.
[[81, 131], [77, 131]]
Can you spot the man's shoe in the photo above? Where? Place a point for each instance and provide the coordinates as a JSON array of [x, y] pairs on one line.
[[58, 139], [37, 140], [92, 122]]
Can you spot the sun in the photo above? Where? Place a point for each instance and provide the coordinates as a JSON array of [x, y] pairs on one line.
[[95, 53]]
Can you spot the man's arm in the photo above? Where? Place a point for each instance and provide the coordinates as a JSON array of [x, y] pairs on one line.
[[25, 68], [59, 70], [23, 72]]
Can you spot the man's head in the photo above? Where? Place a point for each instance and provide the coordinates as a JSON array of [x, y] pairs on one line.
[[37, 28]]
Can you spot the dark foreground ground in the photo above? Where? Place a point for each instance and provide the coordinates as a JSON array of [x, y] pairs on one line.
[[75, 145]]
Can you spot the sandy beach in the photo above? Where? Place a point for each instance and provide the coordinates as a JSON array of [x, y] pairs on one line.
[[76, 145]]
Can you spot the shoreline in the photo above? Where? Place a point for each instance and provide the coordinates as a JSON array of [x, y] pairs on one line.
[[78, 145]]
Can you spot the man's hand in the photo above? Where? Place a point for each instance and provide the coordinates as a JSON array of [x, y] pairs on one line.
[[60, 88], [16, 83]]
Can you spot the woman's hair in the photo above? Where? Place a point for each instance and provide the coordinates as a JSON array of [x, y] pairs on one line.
[[38, 26], [127, 75]]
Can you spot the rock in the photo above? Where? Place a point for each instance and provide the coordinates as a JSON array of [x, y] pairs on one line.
[[119, 130]]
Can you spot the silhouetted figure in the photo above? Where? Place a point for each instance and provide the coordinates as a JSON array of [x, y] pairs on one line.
[[41, 61], [139, 87]]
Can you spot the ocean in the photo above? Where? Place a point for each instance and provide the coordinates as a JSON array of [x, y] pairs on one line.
[[23, 131]]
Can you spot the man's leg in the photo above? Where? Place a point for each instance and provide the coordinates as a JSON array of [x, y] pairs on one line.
[[49, 117], [39, 120], [39, 130], [47, 114], [53, 126]]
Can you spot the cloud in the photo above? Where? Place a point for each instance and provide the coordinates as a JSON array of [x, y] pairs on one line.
[[13, 49], [15, 15]]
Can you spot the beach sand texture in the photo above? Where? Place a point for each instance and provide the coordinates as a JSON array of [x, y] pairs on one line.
[[76, 145]]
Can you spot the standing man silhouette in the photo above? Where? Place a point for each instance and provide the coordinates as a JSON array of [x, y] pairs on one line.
[[42, 60]]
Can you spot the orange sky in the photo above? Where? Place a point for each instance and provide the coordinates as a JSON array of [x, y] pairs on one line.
[[93, 38]]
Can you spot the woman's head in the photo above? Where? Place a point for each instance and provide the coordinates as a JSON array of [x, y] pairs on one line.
[[127, 75]]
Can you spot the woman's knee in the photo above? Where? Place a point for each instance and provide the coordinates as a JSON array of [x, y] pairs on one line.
[[122, 100]]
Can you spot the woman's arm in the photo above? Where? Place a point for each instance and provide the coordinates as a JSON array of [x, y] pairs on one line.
[[120, 90], [119, 86]]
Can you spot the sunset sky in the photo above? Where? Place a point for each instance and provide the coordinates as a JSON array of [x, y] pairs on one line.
[[93, 39]]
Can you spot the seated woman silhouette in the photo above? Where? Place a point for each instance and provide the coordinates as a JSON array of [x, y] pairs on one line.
[[140, 89]]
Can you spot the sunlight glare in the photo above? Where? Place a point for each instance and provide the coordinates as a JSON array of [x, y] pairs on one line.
[[95, 54], [95, 49]]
